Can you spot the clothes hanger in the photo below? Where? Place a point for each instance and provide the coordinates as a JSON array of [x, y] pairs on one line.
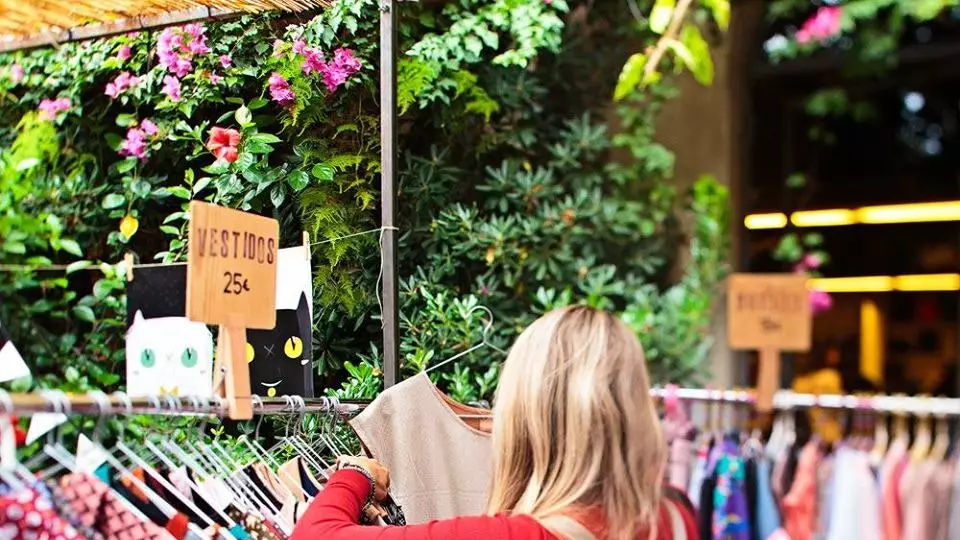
[[260, 453], [923, 439], [881, 439], [488, 326], [941, 443], [121, 447]]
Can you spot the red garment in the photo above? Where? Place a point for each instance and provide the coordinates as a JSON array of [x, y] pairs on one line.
[[334, 515], [25, 516]]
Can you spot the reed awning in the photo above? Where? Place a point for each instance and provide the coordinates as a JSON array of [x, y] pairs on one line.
[[32, 23]]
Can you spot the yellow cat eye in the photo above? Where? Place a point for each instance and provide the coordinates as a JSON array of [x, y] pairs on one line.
[[293, 348], [250, 353]]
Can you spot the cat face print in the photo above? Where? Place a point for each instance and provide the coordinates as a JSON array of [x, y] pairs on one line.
[[280, 359], [169, 356]]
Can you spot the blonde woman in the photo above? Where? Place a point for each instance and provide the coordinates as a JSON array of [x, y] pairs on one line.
[[578, 452]]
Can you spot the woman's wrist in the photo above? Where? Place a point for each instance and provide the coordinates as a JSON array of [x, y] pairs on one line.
[[371, 487]]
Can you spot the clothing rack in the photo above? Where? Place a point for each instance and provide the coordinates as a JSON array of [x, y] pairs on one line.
[[786, 400], [118, 403]]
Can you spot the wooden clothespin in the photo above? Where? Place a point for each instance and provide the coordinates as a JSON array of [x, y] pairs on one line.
[[306, 244], [128, 264]]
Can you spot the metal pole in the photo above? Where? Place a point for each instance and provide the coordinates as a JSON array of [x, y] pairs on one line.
[[388, 193]]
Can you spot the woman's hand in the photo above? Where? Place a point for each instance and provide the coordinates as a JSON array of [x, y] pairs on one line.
[[380, 474]]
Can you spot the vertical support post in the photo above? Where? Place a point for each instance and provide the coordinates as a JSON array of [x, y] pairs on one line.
[[388, 193]]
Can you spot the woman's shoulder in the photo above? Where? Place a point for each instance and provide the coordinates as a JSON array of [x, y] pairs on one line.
[[677, 520]]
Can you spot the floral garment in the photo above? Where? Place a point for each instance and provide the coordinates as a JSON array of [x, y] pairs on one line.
[[730, 520]]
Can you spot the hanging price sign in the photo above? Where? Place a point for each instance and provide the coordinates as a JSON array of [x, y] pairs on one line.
[[769, 313], [232, 282]]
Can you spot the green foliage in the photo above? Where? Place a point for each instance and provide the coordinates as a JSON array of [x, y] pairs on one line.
[[516, 192]]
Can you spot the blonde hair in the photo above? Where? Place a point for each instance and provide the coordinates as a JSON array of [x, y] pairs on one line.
[[575, 426]]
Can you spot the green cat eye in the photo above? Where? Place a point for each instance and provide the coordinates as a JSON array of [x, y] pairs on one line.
[[189, 357], [147, 358]]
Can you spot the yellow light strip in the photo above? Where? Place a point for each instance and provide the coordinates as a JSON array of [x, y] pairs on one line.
[[823, 218], [908, 283], [765, 221], [869, 215]]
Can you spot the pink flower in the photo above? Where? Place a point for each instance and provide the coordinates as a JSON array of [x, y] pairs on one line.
[[50, 108], [177, 47], [124, 53], [135, 144], [313, 61], [16, 73], [810, 261], [280, 90], [182, 67], [148, 127], [199, 45], [300, 46], [226, 61], [214, 78], [171, 87], [123, 82], [195, 30], [223, 143], [337, 72], [820, 301], [824, 24]]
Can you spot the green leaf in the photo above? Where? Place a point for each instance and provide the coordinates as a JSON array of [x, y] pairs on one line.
[[323, 172], [179, 191], [170, 229], [245, 161], [113, 140], [630, 76], [278, 194], [113, 200], [202, 183], [126, 165], [298, 180], [14, 247], [796, 181], [125, 120], [84, 313], [268, 138], [71, 247], [77, 266], [217, 167], [258, 103], [720, 9], [701, 63], [244, 117], [661, 14]]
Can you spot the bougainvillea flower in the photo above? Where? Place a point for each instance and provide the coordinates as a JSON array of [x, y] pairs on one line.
[[223, 143], [280, 90], [124, 53], [824, 24], [177, 47], [214, 78], [135, 144], [171, 87], [300, 47], [337, 72], [226, 61], [120, 84], [810, 261], [313, 61], [820, 301], [50, 108], [16, 73], [148, 127]]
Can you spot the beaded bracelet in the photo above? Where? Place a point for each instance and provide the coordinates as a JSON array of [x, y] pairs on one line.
[[373, 487]]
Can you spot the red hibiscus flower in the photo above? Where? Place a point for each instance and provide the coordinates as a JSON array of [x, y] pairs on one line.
[[223, 143]]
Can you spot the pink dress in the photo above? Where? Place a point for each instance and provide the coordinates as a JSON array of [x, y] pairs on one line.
[[914, 499], [890, 473], [800, 503]]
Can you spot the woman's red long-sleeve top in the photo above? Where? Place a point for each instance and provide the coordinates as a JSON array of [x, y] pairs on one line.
[[335, 513]]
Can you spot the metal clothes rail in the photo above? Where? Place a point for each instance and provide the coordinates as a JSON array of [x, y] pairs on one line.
[[100, 404]]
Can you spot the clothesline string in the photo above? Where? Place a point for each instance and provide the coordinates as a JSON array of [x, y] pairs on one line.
[[95, 267]]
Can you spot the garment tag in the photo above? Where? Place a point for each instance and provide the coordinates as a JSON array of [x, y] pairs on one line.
[[42, 423], [90, 456], [12, 365]]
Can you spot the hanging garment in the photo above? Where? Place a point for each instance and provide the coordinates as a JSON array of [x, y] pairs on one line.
[[824, 496], [914, 501], [68, 513], [953, 528], [100, 510], [891, 471], [730, 518], [800, 503], [855, 511], [940, 494], [678, 470], [27, 515], [255, 527], [767, 514], [440, 466], [697, 473], [297, 478]]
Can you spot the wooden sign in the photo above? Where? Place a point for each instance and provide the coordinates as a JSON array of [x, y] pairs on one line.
[[231, 282], [769, 313]]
